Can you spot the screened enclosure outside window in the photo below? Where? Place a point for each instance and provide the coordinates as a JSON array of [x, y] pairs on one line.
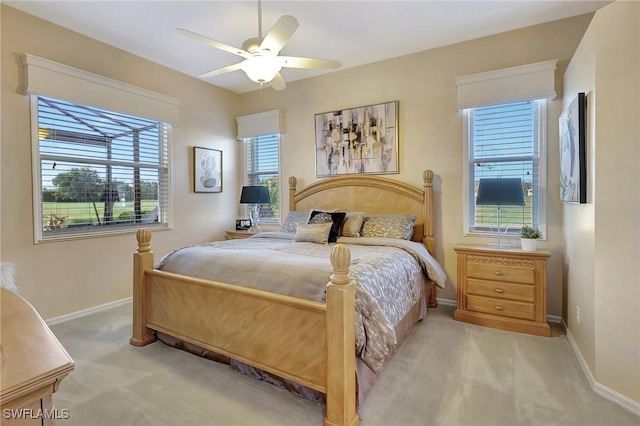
[[263, 168], [98, 171], [506, 141]]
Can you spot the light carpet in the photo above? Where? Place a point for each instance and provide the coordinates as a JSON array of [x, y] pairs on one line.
[[447, 373]]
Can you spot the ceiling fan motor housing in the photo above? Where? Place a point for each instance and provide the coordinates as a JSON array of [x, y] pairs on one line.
[[252, 45]]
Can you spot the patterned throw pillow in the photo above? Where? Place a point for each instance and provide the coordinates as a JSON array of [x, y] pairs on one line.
[[335, 218], [389, 226], [293, 219], [352, 224], [313, 233]]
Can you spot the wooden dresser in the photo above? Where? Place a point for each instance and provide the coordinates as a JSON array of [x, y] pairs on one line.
[[503, 288], [32, 365]]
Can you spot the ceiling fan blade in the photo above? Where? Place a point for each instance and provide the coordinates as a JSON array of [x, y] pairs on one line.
[[278, 82], [222, 70], [279, 34], [309, 63], [214, 43]]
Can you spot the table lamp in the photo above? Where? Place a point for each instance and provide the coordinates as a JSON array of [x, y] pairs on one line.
[[255, 195], [500, 192]]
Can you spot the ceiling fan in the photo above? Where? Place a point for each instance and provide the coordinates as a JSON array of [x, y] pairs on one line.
[[262, 63]]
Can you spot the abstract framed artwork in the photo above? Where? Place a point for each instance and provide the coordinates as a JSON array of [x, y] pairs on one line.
[[207, 169], [573, 162], [357, 140]]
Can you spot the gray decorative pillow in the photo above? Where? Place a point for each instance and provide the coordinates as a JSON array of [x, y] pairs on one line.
[[293, 219], [313, 233], [335, 218], [320, 217], [389, 226], [352, 224]]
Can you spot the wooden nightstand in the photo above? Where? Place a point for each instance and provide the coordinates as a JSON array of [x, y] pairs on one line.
[[503, 288], [235, 235]]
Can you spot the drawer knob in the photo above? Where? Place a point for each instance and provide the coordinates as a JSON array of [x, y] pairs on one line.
[[499, 273], [499, 290], [498, 308]]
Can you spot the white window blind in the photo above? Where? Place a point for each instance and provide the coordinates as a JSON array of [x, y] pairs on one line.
[[263, 168], [98, 171], [505, 140]]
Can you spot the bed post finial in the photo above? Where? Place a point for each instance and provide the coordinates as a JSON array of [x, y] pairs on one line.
[[341, 378], [144, 240], [427, 176], [293, 185], [340, 260]]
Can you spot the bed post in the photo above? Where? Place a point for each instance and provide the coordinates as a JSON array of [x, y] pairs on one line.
[[341, 376], [427, 178], [429, 241], [142, 260], [293, 184]]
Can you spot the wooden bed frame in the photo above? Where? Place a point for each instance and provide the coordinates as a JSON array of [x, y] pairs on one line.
[[307, 342]]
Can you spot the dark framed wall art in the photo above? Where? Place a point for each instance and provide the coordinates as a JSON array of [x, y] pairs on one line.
[[357, 140], [573, 161], [207, 169]]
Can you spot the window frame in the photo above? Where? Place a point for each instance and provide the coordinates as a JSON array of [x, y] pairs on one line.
[[276, 219], [542, 160], [164, 181]]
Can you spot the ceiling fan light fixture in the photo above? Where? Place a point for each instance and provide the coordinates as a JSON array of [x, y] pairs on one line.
[[262, 69]]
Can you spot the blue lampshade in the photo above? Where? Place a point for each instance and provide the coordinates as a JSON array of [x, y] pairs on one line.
[[500, 192], [255, 194]]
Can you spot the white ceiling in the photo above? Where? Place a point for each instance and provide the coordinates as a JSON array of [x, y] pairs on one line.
[[354, 32]]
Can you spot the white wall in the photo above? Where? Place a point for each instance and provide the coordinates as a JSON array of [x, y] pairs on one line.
[[602, 251], [579, 219], [63, 277], [430, 126]]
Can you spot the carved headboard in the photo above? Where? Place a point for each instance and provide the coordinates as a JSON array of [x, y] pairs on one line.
[[371, 194]]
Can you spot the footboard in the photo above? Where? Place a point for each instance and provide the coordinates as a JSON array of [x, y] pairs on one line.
[[307, 342]]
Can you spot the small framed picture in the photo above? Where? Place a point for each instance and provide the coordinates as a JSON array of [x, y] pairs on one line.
[[573, 162], [207, 169]]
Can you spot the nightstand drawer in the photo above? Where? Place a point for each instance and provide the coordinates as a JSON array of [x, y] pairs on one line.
[[500, 290], [498, 269], [500, 307]]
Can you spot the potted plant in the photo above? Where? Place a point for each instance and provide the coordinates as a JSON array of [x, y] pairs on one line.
[[529, 237]]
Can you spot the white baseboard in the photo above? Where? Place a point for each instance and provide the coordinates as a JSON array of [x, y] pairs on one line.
[[554, 319], [446, 302], [88, 311], [602, 390]]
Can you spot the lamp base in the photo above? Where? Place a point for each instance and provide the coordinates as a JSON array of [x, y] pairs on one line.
[[254, 212]]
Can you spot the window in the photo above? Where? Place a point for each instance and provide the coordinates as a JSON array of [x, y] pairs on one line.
[[506, 140], [97, 171], [263, 168]]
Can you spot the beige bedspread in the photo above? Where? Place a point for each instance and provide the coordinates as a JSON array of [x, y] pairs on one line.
[[389, 279]]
